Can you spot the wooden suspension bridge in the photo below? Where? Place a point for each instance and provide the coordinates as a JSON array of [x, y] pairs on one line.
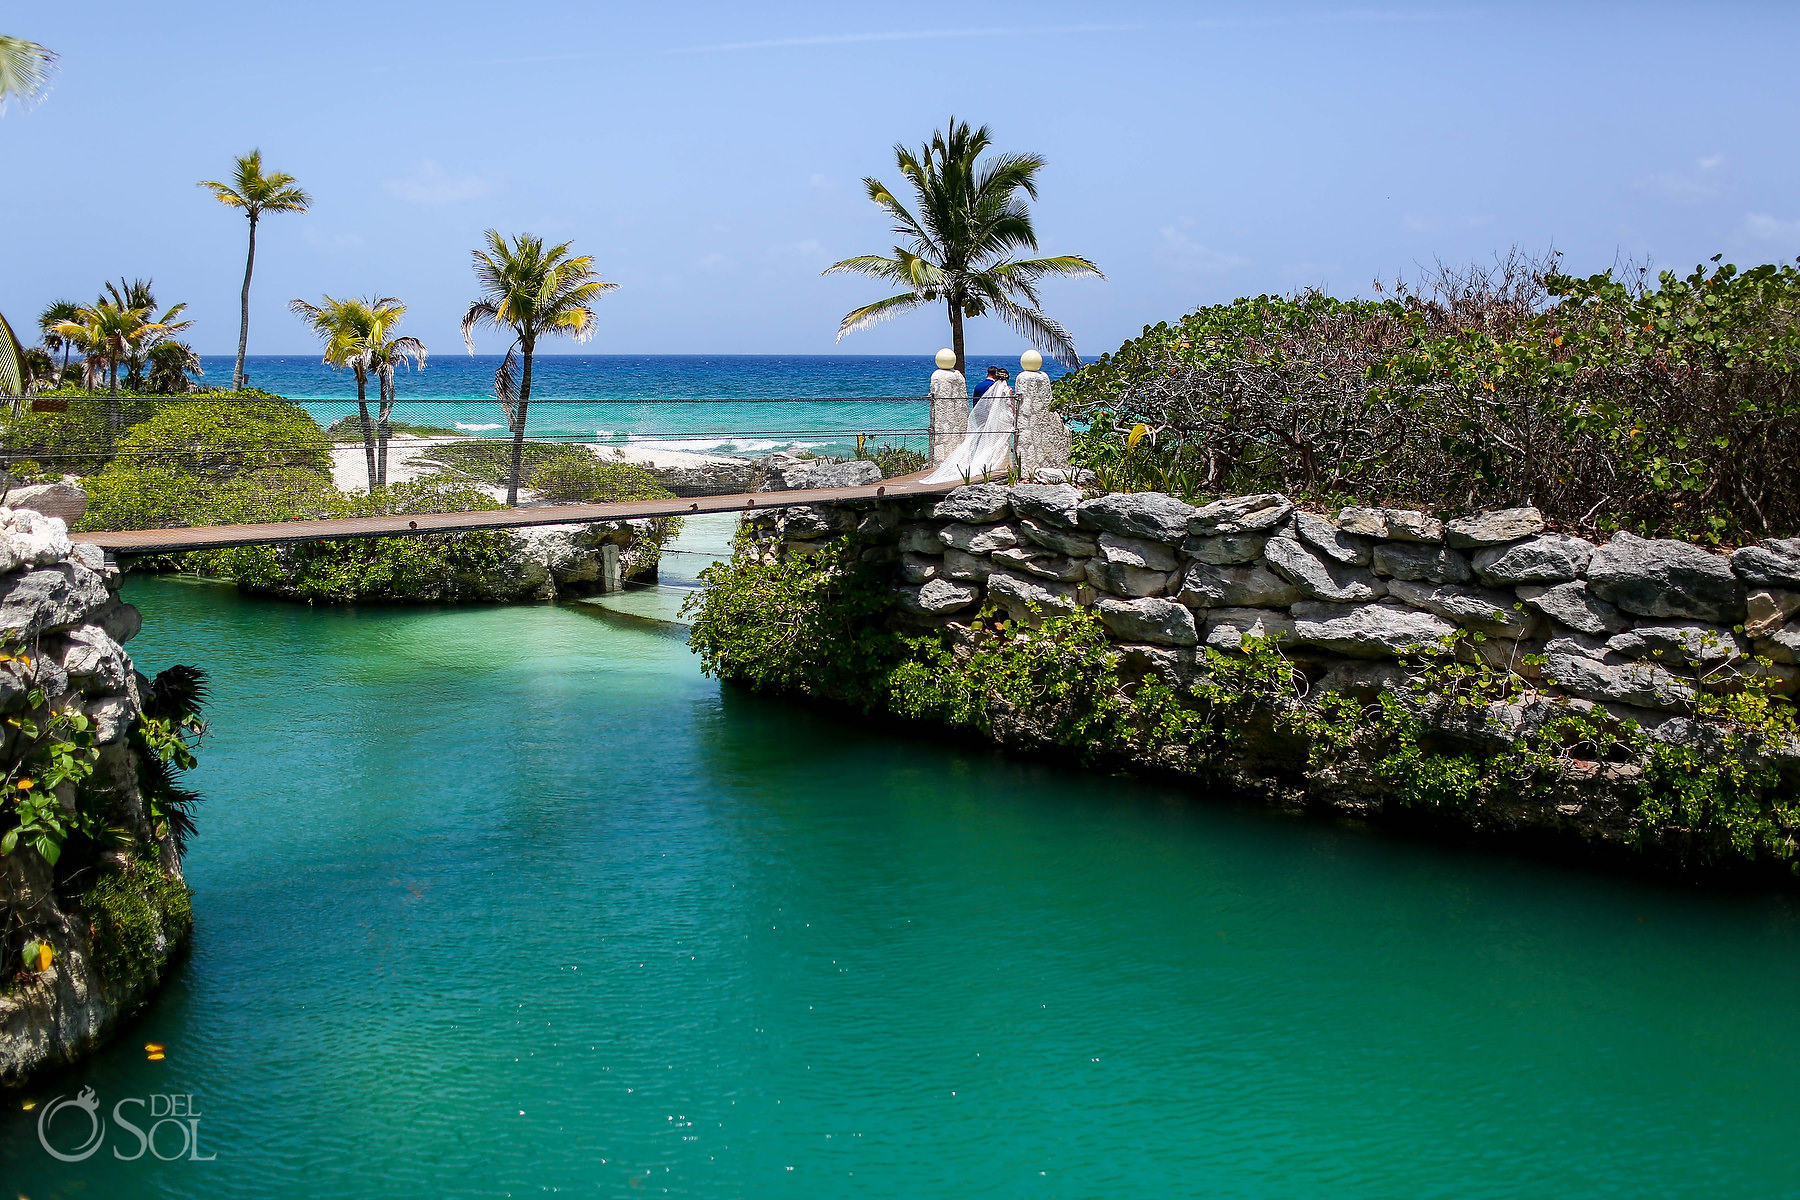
[[211, 537]]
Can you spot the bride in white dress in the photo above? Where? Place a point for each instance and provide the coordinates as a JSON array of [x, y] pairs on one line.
[[988, 447]]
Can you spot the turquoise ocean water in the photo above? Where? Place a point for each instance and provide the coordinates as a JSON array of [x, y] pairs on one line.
[[703, 403], [513, 902]]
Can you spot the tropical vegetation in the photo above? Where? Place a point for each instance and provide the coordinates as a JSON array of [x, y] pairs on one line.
[[254, 192], [1666, 404], [25, 70], [357, 336], [959, 245], [530, 291], [123, 329]]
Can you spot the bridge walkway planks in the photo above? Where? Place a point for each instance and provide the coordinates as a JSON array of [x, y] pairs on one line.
[[210, 537]]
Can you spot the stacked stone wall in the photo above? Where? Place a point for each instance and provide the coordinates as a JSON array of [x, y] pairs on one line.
[[1628, 630]]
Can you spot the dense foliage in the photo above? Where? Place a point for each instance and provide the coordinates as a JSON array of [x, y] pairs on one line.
[[72, 432], [431, 567], [1661, 406]]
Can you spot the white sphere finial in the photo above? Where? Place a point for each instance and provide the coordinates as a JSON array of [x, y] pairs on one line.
[[946, 359], [1031, 360]]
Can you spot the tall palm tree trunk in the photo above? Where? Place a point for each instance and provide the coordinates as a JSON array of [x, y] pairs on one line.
[[237, 372], [518, 446], [956, 335], [114, 418], [368, 430], [381, 429]]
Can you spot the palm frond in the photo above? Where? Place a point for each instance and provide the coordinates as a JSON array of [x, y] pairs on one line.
[[881, 310], [25, 70], [1039, 330], [13, 375]]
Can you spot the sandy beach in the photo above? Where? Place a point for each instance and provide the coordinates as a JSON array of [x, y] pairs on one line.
[[407, 460]]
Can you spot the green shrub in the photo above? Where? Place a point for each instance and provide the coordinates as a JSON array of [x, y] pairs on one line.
[[427, 567], [489, 460], [217, 440], [585, 477], [1665, 406], [76, 442], [893, 460], [83, 439], [800, 625]]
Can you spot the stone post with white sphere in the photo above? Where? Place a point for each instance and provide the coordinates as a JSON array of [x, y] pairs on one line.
[[1043, 435], [949, 407]]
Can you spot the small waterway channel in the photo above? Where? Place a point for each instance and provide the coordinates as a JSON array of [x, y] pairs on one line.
[[512, 901]]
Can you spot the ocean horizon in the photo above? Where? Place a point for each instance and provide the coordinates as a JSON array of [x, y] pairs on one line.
[[754, 403]]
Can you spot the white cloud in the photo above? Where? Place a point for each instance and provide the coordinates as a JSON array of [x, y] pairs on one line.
[[1686, 187], [330, 243], [714, 262], [429, 183], [1433, 223], [1765, 228], [1185, 254]]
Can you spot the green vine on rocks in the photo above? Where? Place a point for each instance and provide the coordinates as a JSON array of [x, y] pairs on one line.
[[1470, 730], [136, 914], [49, 749]]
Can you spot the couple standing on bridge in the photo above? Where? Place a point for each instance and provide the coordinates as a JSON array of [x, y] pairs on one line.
[[989, 444]]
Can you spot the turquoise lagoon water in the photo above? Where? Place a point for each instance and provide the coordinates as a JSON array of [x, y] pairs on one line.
[[514, 902], [627, 398]]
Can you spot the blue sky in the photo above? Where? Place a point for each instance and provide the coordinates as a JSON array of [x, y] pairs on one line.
[[709, 155]]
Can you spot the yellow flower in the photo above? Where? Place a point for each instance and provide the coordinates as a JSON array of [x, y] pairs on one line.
[[25, 785]]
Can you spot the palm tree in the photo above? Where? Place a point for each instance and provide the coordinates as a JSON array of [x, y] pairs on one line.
[[140, 294], [970, 220], [171, 362], [387, 355], [55, 314], [534, 292], [109, 332], [348, 327], [255, 193], [25, 69]]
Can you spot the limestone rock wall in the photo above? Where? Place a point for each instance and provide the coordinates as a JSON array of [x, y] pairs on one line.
[[1632, 628], [66, 629]]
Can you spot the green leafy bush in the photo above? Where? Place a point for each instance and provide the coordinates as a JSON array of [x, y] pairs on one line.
[[218, 440], [83, 438], [429, 567], [582, 476], [489, 460], [813, 626], [1666, 406]]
